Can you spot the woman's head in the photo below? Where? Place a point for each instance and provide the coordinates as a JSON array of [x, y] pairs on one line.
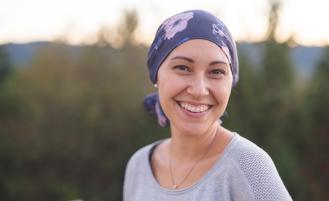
[[185, 26], [193, 59]]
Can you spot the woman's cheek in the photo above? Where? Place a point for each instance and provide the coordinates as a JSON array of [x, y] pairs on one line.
[[222, 92]]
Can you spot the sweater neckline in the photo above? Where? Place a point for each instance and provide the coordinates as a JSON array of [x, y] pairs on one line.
[[221, 158]]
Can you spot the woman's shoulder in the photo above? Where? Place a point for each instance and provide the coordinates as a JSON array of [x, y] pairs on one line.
[[142, 154], [259, 170], [246, 150], [251, 158]]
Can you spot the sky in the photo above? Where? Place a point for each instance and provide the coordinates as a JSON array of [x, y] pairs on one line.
[[78, 21]]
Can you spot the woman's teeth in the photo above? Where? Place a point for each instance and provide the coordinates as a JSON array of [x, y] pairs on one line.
[[194, 108]]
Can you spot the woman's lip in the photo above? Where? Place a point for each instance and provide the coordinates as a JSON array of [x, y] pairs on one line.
[[193, 103]]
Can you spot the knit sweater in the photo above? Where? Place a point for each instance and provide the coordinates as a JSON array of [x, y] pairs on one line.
[[243, 172]]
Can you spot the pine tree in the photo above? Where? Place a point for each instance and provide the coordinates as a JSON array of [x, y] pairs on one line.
[[314, 142], [276, 88], [243, 105], [276, 95], [5, 64]]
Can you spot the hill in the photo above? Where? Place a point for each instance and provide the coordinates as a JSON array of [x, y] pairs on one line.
[[304, 58]]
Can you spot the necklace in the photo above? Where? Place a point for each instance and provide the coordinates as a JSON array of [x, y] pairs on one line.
[[176, 185]]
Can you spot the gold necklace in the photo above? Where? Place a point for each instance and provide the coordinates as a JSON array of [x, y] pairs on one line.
[[176, 185]]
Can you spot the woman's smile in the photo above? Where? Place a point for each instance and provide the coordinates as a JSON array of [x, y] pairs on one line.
[[194, 108]]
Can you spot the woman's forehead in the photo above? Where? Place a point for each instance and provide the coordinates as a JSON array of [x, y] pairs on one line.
[[199, 50]]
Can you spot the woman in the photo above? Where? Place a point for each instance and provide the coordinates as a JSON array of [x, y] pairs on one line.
[[193, 63]]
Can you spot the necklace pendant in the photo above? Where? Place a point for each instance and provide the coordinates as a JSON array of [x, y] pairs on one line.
[[175, 186]]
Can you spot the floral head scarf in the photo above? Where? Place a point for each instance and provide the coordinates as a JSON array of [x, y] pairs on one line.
[[188, 25], [194, 24]]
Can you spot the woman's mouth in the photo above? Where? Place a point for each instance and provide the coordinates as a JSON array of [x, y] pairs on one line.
[[194, 108]]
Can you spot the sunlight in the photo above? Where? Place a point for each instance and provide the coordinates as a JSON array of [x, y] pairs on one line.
[[78, 21]]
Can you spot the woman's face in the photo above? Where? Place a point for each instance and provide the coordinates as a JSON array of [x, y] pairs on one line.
[[194, 84]]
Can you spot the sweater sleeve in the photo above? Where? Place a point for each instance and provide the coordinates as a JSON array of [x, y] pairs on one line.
[[131, 174], [262, 175], [135, 170], [128, 180]]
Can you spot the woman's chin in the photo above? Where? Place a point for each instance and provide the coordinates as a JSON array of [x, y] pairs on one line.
[[192, 129]]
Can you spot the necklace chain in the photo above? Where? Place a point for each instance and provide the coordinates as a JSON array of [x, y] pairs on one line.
[[176, 185]]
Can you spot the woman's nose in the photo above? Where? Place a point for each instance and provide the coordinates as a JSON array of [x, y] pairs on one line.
[[198, 87]]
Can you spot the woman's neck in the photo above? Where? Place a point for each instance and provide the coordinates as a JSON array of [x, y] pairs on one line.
[[187, 147]]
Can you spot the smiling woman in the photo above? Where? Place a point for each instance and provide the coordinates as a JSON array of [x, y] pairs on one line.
[[193, 62]]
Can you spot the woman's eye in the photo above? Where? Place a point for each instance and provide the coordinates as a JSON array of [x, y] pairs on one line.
[[182, 68], [217, 72]]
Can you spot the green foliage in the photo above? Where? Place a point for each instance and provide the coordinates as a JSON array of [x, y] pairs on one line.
[[268, 108], [5, 65], [82, 119], [244, 101], [79, 119], [314, 145]]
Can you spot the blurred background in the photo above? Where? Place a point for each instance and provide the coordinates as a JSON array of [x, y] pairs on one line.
[[73, 77]]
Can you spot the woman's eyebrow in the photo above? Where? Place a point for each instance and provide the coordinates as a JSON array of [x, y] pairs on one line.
[[192, 61], [184, 58], [218, 62]]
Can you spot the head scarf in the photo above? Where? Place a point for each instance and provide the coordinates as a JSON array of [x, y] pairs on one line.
[[182, 27]]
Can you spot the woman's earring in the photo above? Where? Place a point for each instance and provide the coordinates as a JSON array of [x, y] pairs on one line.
[[155, 86]]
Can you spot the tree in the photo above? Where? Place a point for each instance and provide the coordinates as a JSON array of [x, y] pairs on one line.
[[314, 142], [82, 118], [5, 65], [276, 81], [121, 36], [243, 105], [276, 104]]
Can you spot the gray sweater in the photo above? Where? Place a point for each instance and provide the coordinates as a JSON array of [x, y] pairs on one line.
[[243, 172]]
